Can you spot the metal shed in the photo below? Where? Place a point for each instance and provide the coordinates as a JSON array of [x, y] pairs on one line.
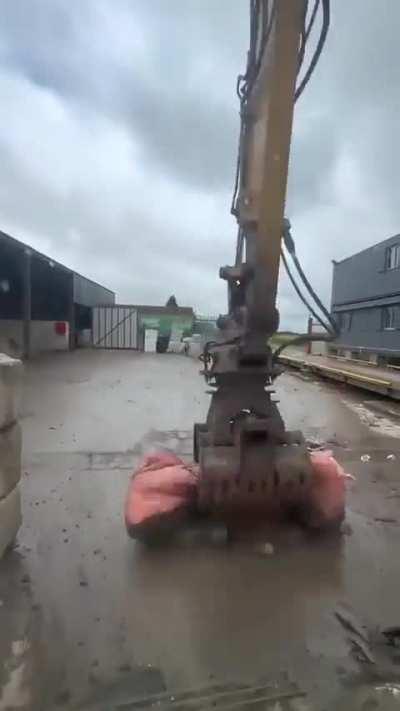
[[43, 304]]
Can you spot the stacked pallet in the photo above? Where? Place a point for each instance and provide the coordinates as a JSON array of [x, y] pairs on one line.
[[10, 450]]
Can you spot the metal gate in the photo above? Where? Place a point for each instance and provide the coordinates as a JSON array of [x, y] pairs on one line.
[[115, 327]]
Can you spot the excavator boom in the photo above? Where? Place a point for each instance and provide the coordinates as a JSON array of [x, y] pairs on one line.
[[267, 105], [248, 461]]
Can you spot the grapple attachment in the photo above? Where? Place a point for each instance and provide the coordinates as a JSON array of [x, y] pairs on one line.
[[254, 467]]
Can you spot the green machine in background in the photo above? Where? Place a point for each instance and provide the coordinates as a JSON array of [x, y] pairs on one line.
[[167, 320]]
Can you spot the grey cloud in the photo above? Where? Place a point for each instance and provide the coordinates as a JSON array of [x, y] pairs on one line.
[[134, 252], [183, 120], [164, 73], [314, 153], [179, 134]]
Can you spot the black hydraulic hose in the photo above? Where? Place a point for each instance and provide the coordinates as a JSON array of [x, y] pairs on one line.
[[291, 248], [301, 295], [313, 293], [303, 338], [318, 49]]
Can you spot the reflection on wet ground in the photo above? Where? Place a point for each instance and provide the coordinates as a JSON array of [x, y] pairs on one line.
[[89, 619]]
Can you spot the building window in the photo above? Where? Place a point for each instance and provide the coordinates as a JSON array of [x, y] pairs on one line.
[[344, 319], [393, 257], [390, 318]]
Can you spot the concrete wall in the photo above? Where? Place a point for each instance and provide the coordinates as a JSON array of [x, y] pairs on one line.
[[43, 337], [10, 450], [11, 337]]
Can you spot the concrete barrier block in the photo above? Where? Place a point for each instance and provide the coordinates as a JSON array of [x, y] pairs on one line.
[[10, 389], [10, 519], [10, 458]]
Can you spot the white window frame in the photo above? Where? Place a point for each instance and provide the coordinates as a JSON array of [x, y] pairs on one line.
[[389, 324], [345, 320], [393, 257]]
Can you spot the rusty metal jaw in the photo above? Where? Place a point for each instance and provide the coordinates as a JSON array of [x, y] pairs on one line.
[[271, 480], [249, 463]]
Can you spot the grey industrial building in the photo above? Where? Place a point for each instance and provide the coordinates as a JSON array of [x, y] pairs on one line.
[[366, 303], [43, 304]]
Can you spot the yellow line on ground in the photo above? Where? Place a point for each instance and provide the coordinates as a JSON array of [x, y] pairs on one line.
[[338, 371], [352, 374]]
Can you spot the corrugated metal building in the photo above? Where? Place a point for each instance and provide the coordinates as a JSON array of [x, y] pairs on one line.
[[43, 304], [366, 302]]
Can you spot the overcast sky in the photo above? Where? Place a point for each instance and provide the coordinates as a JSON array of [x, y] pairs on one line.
[[118, 134]]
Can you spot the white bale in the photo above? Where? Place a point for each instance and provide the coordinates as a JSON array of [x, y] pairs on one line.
[[10, 389], [10, 458], [176, 347], [10, 519], [150, 340]]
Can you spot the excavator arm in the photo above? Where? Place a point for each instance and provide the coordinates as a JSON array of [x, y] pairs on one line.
[[267, 104], [248, 461]]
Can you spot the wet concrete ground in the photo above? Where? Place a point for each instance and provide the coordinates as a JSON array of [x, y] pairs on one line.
[[89, 619]]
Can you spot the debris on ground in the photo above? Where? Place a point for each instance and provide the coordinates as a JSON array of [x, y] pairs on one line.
[[349, 622], [314, 444], [365, 458], [265, 549], [358, 638], [361, 651], [336, 442], [333, 441], [389, 690]]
